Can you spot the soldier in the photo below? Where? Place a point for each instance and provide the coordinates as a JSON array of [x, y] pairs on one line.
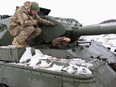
[[24, 20], [60, 40]]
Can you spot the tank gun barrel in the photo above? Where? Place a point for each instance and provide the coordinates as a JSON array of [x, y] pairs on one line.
[[108, 28]]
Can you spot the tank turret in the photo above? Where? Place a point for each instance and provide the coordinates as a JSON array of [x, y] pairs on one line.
[[73, 29], [63, 27]]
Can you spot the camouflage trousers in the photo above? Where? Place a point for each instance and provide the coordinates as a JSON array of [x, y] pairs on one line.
[[22, 34]]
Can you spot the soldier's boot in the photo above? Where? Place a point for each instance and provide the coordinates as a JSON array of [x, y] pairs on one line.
[[25, 45], [20, 39], [17, 44]]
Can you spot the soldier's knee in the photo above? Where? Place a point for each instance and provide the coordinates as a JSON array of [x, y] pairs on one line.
[[30, 28]]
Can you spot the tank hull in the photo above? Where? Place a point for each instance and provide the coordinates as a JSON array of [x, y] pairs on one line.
[[19, 76]]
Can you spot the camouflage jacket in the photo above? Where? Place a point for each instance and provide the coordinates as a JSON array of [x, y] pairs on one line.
[[23, 18]]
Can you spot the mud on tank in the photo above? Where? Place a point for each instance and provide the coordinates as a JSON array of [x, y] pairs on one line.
[[80, 64]]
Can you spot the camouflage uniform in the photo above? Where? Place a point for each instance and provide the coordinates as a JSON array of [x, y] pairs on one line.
[[22, 24]]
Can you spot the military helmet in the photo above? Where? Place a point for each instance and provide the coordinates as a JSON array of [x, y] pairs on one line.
[[35, 6]]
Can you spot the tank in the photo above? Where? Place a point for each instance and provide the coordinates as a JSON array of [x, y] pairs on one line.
[[81, 63]]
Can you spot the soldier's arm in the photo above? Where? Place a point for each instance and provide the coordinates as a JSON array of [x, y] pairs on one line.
[[44, 21], [23, 19]]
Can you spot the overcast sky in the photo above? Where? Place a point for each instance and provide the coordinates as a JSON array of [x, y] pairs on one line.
[[85, 11]]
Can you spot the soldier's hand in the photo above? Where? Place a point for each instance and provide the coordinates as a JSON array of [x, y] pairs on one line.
[[52, 24]]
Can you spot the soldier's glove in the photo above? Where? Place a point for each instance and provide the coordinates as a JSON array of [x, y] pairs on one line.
[[51, 24]]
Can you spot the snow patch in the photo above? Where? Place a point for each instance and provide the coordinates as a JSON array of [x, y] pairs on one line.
[[108, 40], [41, 61]]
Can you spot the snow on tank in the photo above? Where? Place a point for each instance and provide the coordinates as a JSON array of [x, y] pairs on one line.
[[40, 61], [108, 40]]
